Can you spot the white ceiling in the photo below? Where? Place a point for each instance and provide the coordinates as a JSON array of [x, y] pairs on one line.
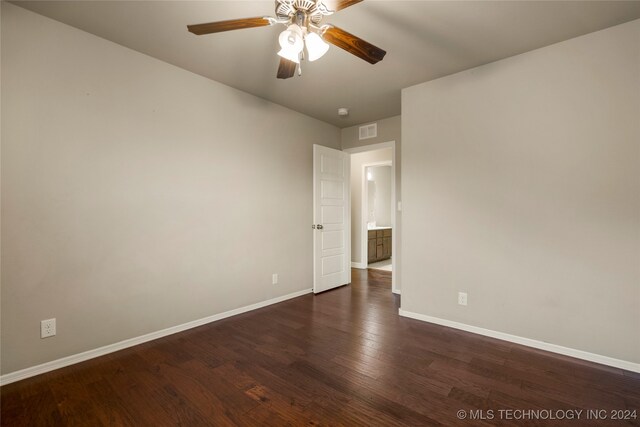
[[424, 40]]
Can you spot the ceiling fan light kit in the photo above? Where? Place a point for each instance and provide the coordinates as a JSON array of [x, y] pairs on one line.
[[302, 19], [291, 43], [316, 47]]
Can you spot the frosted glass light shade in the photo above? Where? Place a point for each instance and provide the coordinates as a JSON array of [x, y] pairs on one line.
[[291, 43], [316, 47]]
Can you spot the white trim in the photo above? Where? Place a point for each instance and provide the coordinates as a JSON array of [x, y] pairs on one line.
[[396, 291], [359, 265], [101, 351], [579, 354], [394, 231]]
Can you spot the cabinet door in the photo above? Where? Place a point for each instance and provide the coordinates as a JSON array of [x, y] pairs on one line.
[[379, 252], [386, 247], [371, 255]]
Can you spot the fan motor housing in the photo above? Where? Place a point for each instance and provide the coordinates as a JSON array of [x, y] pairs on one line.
[[314, 10]]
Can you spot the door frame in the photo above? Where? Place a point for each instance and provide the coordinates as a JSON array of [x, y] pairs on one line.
[[394, 198]]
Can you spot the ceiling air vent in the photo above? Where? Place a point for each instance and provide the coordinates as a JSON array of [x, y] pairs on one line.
[[369, 131]]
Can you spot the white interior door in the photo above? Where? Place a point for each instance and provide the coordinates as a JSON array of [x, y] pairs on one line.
[[331, 218]]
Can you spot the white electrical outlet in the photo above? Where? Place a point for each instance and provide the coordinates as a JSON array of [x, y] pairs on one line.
[[462, 298], [274, 279], [47, 328]]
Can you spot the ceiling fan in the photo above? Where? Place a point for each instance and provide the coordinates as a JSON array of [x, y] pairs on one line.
[[304, 29]]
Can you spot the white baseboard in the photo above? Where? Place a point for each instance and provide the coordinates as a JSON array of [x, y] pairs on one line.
[[579, 354], [358, 265], [101, 351]]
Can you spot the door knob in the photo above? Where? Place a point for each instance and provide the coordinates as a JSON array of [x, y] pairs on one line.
[[319, 227]]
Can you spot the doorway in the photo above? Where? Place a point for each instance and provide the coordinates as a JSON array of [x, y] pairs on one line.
[[376, 210], [373, 225]]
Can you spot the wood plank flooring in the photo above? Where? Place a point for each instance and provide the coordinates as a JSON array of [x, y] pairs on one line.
[[343, 357]]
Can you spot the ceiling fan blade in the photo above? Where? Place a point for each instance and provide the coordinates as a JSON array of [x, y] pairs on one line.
[[336, 5], [353, 44], [286, 68], [232, 24]]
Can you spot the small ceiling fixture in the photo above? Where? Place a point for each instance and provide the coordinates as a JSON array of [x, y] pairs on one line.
[[343, 111], [303, 21]]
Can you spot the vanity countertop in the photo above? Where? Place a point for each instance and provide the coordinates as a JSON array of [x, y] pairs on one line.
[[379, 228]]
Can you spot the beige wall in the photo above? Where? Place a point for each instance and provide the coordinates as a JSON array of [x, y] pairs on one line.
[[388, 130], [379, 195], [357, 162], [521, 186], [138, 196]]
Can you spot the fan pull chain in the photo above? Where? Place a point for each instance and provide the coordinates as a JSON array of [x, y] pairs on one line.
[[300, 63]]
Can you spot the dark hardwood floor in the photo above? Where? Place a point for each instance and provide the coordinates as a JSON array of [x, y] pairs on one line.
[[343, 357]]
